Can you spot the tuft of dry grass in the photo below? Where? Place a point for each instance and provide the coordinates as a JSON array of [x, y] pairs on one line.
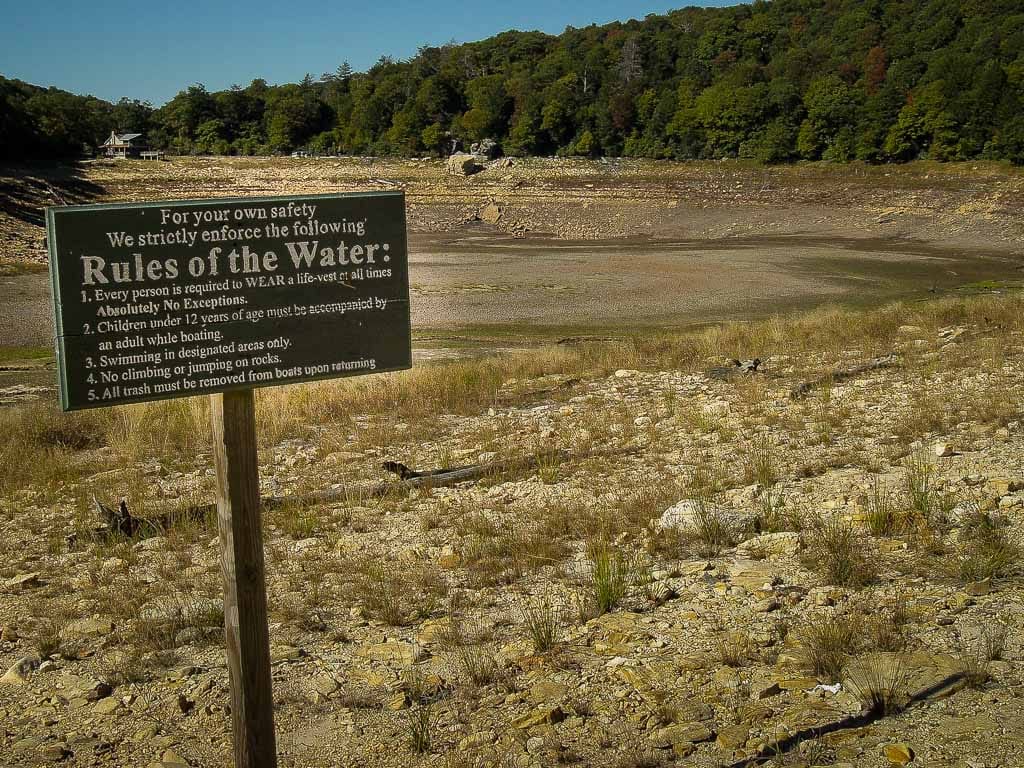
[[396, 594], [880, 683], [760, 462], [611, 573], [734, 649], [839, 553], [420, 723], [974, 660], [882, 517], [544, 623], [986, 551], [501, 552], [828, 643]]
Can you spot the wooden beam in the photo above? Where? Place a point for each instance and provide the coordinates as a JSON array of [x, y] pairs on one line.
[[246, 636]]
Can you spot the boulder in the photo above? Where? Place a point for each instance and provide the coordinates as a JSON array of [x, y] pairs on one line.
[[462, 164], [19, 671], [689, 514], [486, 148], [898, 754], [490, 213]]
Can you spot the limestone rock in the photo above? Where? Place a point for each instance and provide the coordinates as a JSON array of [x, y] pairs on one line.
[[281, 653], [733, 737], [22, 582], [432, 631], [89, 627], [392, 652], [462, 164], [784, 543], [539, 716], [106, 706], [671, 735], [548, 691], [898, 754], [491, 213], [19, 671], [55, 752], [687, 514]]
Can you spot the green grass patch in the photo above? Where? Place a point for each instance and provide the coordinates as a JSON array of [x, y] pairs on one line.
[[13, 268], [19, 354]]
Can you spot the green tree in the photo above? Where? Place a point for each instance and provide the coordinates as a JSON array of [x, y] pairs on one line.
[[831, 106]]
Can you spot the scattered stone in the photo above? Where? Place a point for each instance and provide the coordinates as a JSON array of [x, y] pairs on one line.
[[282, 653], [392, 652], [18, 673], [798, 683], [687, 515], [539, 716], [979, 588], [490, 213], [782, 544], [171, 758], [325, 684], [898, 754], [671, 735], [106, 706], [548, 691], [766, 691], [55, 752], [733, 737], [476, 741], [767, 605], [23, 582]]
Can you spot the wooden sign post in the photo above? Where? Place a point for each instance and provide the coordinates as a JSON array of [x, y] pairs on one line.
[[247, 640], [218, 297]]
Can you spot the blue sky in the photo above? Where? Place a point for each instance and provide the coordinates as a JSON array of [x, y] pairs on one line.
[[150, 51]]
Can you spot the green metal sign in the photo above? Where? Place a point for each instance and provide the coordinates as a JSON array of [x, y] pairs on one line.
[[174, 299]]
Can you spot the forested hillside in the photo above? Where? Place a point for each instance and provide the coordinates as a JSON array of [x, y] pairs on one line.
[[874, 80]]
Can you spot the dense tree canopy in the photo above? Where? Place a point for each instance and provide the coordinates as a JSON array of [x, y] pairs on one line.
[[875, 80]]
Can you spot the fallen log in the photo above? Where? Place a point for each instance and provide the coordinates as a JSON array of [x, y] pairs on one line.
[[121, 522], [802, 389]]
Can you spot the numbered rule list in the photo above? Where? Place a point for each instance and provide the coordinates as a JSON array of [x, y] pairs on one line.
[[182, 298]]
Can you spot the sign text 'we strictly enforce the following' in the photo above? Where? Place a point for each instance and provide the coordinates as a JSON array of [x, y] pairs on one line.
[[177, 299]]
